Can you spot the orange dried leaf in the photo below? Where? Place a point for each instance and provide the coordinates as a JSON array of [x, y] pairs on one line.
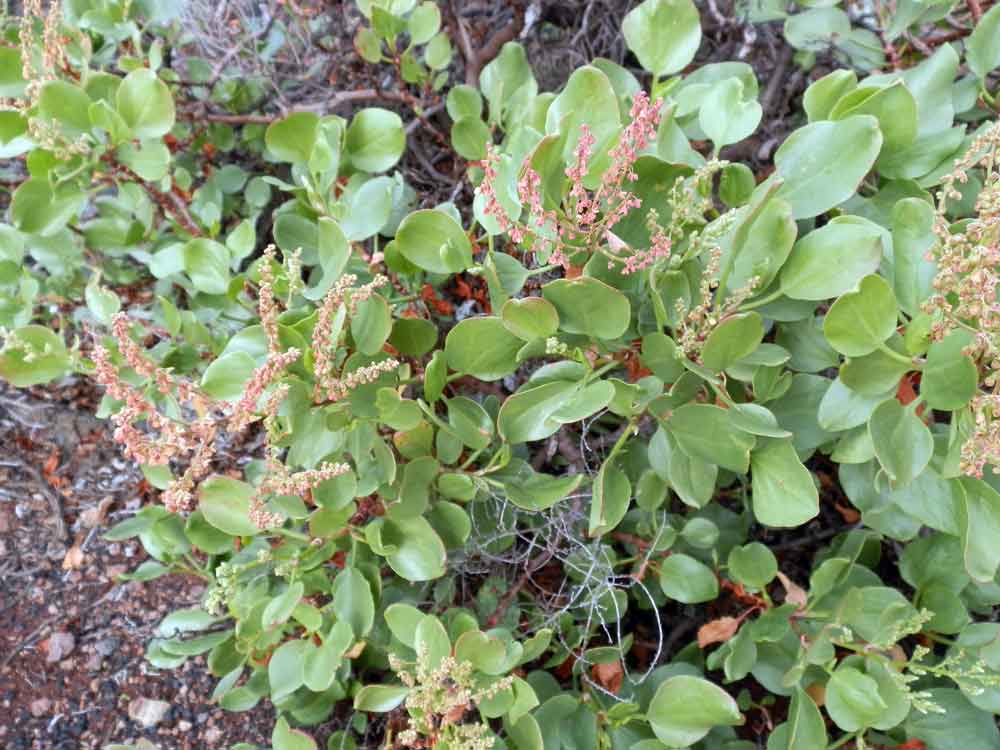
[[717, 631], [850, 515], [794, 593], [73, 558], [609, 676]]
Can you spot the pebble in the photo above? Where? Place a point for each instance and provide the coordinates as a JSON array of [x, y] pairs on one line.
[[107, 646], [59, 645], [40, 707], [213, 735], [147, 711]]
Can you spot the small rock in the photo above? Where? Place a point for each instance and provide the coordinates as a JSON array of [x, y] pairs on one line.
[[212, 735], [40, 707], [106, 646], [59, 645], [147, 712]]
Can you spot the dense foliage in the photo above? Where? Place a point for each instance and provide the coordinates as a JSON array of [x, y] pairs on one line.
[[712, 469]]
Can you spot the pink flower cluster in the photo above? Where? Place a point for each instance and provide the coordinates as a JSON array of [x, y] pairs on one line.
[[166, 439], [966, 287], [585, 221], [194, 441], [328, 387]]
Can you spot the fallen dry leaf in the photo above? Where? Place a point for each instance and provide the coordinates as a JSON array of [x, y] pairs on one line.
[[717, 631], [850, 515], [609, 675], [73, 559], [95, 516], [794, 593], [817, 692]]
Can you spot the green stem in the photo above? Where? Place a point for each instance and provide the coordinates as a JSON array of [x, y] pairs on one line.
[[541, 270], [601, 370], [468, 462], [761, 301], [893, 354], [845, 739], [622, 439], [290, 534]]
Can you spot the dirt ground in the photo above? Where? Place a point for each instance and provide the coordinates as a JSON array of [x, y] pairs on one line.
[[72, 638]]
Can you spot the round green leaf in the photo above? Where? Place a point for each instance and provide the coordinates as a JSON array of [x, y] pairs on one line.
[[291, 139], [285, 738], [375, 139], [853, 700], [370, 324], [287, 667], [831, 260], [380, 698], [529, 413], [464, 101], [145, 103], [483, 348], [733, 339], [612, 493], [530, 318], [48, 359], [353, 602], [783, 491], [587, 99], [687, 580], [207, 264], [725, 116], [823, 163], [705, 432], [37, 209], [685, 709], [860, 321], [588, 306], [983, 45], [903, 443], [753, 565], [469, 136], [419, 554], [663, 34], [280, 608], [424, 22], [67, 104], [434, 241], [949, 379], [805, 727], [225, 503], [413, 337], [227, 375]]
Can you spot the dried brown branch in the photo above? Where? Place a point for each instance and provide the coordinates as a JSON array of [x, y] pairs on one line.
[[476, 59]]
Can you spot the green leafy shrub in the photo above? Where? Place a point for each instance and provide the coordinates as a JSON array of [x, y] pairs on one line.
[[729, 431]]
